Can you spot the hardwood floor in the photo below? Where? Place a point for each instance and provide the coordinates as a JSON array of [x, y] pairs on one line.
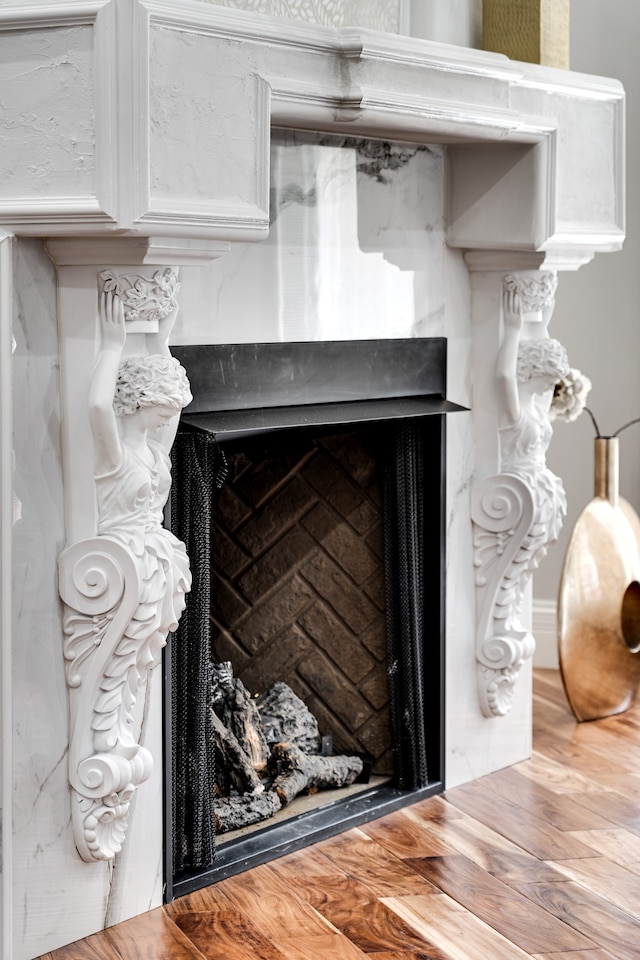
[[539, 860]]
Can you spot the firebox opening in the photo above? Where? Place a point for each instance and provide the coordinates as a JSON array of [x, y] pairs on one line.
[[324, 573]]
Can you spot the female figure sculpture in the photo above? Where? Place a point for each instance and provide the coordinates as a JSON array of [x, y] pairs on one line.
[[517, 513], [133, 410], [527, 372], [124, 589]]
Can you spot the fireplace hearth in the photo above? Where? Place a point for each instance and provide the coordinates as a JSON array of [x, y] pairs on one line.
[[325, 570]]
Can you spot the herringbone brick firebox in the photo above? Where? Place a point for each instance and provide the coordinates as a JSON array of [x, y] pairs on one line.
[[309, 487], [298, 580]]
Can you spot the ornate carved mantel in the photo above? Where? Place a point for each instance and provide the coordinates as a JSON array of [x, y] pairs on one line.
[[138, 136]]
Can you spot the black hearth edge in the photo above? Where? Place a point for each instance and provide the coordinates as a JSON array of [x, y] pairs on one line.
[[248, 389]]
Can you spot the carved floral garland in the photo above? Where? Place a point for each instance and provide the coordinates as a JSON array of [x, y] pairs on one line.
[[143, 299]]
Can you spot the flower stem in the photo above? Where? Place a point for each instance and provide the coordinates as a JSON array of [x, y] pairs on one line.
[[624, 427], [595, 423]]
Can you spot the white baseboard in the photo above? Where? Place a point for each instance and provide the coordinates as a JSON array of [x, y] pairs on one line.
[[544, 619]]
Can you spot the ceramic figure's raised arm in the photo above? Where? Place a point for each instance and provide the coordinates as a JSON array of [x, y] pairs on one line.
[[102, 419], [507, 362]]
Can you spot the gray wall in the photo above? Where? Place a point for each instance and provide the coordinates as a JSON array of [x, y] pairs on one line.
[[597, 316]]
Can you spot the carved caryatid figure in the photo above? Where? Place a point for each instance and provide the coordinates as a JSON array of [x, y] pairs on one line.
[[517, 513], [124, 589]]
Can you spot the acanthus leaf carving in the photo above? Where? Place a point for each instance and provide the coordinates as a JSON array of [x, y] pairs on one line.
[[99, 584]]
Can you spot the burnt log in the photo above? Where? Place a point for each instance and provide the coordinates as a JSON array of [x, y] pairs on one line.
[[231, 813], [233, 760], [308, 773], [285, 717], [237, 710]]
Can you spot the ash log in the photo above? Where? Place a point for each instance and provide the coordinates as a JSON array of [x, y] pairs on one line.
[[284, 716], [231, 813], [302, 772], [236, 709], [232, 760]]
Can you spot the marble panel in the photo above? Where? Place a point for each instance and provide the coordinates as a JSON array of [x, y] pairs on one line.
[[57, 897], [580, 168], [46, 78], [183, 112], [355, 250], [48, 879]]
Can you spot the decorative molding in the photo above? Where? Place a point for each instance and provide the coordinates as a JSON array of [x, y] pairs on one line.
[[483, 261], [356, 77], [218, 21], [30, 16], [160, 251]]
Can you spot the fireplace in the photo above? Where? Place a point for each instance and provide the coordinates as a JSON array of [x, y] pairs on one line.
[[325, 569], [158, 158]]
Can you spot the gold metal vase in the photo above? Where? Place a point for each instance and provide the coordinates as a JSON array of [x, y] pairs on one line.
[[599, 599]]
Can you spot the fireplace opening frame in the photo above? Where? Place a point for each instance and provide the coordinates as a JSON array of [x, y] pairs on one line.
[[398, 385]]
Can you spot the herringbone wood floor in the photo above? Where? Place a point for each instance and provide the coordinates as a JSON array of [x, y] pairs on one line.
[[539, 860]]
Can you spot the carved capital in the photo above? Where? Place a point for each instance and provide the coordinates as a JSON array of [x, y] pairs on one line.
[[537, 291], [146, 300]]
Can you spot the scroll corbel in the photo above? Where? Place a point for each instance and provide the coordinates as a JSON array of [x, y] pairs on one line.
[[502, 512], [124, 589], [516, 513]]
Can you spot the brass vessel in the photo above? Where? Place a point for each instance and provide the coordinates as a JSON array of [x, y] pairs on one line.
[[599, 599]]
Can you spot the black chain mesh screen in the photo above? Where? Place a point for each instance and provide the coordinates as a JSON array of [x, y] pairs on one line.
[[198, 468], [405, 604]]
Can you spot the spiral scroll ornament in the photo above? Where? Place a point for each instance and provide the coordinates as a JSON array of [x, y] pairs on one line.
[[502, 512], [99, 584]]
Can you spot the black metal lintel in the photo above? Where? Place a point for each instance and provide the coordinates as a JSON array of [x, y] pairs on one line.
[[228, 424]]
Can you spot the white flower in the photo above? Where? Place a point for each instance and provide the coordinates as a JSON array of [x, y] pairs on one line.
[[570, 396]]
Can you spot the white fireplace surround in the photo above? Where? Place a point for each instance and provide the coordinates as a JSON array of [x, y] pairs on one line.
[[136, 138]]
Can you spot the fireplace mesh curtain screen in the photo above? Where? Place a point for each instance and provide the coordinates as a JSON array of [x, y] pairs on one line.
[[198, 469], [405, 604], [412, 531]]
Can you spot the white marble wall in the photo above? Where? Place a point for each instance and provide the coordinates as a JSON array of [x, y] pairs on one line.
[[56, 896], [355, 251]]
